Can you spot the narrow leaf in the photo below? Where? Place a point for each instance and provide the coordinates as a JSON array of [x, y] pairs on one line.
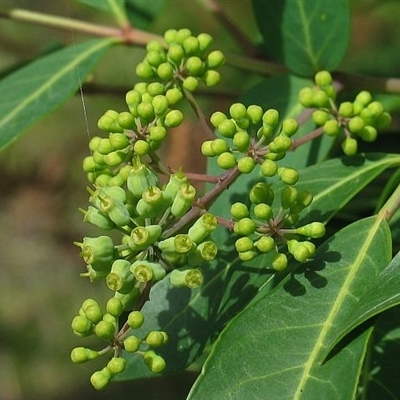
[[306, 36], [39, 88], [275, 348]]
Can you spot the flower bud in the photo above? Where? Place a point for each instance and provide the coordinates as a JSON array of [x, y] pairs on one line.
[[323, 78], [226, 160], [239, 210], [364, 98], [135, 319], [289, 128], [280, 143], [186, 277], [246, 165], [356, 124], [145, 271], [165, 71], [205, 41], [227, 128], [332, 127], [288, 196], [212, 78], [114, 307], [215, 59], [368, 133], [140, 178], [98, 252], [191, 45], [120, 278], [154, 362], [131, 344], [183, 200], [279, 262], [144, 236], [195, 66], [288, 175], [81, 325], [128, 300], [265, 244], [97, 218], [94, 313], [144, 70], [173, 119], [238, 111], [244, 244], [320, 117], [173, 95], [116, 365], [82, 354], [104, 330], [176, 53], [269, 168], [207, 250], [261, 193], [314, 230], [247, 255], [219, 146], [156, 338], [263, 211], [306, 97], [349, 146], [320, 98], [241, 141], [191, 83], [245, 226], [203, 226]]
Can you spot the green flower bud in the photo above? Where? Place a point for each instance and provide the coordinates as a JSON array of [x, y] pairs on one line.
[[215, 59], [320, 117], [212, 78], [191, 83], [97, 218], [205, 41], [246, 165], [384, 120], [346, 109], [105, 123], [217, 118], [275, 156], [170, 35], [98, 252], [94, 141], [245, 226], [175, 181], [154, 58], [227, 128], [186, 277], [140, 178], [279, 262], [120, 278], [89, 165], [182, 34], [131, 344], [115, 158], [82, 325], [263, 211], [239, 210], [144, 70], [160, 104], [133, 98], [141, 147], [367, 116], [104, 330], [195, 66], [142, 237], [271, 117], [299, 251], [116, 365], [191, 45], [82, 354], [176, 53], [94, 313], [280, 144], [202, 228], [115, 192], [238, 111], [247, 255], [244, 244], [226, 160], [207, 250], [146, 271], [156, 338], [165, 71], [114, 307], [206, 149], [356, 124], [320, 98], [219, 146], [288, 175], [154, 362], [265, 244], [119, 141], [269, 168], [128, 300], [289, 127], [183, 200], [100, 379], [180, 243], [314, 230], [115, 209], [364, 98], [104, 146], [323, 78], [306, 97], [254, 113], [135, 319], [349, 146], [288, 196], [261, 193], [173, 95], [92, 274], [241, 140], [173, 119], [368, 133], [145, 111]]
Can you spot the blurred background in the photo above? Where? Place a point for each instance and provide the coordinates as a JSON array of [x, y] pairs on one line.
[[42, 186]]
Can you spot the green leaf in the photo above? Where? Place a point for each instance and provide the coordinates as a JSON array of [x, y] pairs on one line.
[[306, 36], [275, 348], [39, 88], [113, 7], [142, 12]]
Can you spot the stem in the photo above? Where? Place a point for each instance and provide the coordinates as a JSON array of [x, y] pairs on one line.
[[246, 45], [391, 205], [127, 34], [307, 138], [203, 120], [225, 180]]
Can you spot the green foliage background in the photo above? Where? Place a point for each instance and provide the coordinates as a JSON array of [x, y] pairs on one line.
[[42, 186]]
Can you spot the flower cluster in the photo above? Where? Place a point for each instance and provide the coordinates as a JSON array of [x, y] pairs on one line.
[[262, 232], [360, 119]]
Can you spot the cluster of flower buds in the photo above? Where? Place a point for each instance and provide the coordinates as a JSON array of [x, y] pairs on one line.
[[184, 61], [361, 118], [262, 232], [249, 137]]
